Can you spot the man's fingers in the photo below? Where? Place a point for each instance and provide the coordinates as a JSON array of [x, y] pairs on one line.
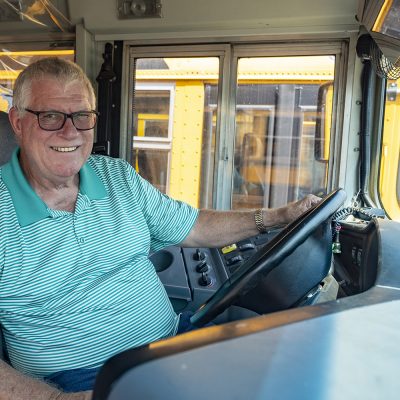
[[294, 210], [312, 200]]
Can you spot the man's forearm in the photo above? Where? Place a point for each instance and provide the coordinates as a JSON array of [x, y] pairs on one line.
[[16, 386], [219, 228]]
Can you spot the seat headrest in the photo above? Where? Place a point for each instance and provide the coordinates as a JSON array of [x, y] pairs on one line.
[[7, 138]]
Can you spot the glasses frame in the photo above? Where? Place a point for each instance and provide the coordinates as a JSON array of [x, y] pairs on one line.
[[66, 116]]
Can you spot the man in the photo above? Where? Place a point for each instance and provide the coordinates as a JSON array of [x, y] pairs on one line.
[[76, 284]]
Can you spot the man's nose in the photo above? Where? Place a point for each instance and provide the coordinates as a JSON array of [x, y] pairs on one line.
[[69, 128]]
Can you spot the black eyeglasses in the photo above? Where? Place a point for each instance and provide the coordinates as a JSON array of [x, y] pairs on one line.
[[55, 120]]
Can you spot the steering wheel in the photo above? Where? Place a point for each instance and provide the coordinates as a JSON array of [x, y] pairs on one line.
[[268, 257]]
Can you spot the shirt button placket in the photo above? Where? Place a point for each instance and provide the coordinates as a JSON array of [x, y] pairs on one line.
[[80, 239]]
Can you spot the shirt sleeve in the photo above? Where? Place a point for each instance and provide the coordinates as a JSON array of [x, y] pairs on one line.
[[169, 221]]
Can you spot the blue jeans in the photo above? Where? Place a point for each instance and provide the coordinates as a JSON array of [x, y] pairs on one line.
[[81, 379]]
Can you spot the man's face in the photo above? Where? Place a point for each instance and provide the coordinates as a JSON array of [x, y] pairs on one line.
[[53, 156]]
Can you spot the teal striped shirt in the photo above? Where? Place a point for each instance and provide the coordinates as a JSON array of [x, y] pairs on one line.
[[77, 288]]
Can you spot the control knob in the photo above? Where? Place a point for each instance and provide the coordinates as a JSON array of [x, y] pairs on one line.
[[204, 280], [199, 255], [202, 266]]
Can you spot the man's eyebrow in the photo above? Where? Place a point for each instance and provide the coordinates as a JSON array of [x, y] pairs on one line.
[[62, 112]]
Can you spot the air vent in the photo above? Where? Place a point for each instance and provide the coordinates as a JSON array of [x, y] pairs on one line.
[[128, 9]]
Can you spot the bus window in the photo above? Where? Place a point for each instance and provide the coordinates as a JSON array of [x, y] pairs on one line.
[[389, 179], [153, 139], [174, 125], [13, 62], [278, 154], [257, 127]]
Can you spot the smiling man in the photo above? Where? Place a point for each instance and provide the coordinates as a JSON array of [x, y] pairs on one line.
[[54, 144], [76, 283]]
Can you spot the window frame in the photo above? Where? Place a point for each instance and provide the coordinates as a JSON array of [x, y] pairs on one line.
[[225, 129], [136, 52], [167, 87], [156, 143]]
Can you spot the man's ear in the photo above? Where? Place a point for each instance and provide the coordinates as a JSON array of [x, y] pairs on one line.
[[15, 121]]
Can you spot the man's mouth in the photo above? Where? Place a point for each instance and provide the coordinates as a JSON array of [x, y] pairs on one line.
[[64, 149]]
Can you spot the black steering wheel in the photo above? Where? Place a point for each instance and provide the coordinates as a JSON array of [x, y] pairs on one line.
[[268, 257]]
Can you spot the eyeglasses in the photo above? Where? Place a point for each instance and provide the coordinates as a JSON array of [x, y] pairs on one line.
[[55, 120]]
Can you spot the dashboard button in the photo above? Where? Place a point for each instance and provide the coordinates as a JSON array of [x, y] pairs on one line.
[[247, 246], [234, 260], [229, 249]]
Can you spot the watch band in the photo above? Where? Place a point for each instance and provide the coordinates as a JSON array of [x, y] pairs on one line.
[[258, 218]]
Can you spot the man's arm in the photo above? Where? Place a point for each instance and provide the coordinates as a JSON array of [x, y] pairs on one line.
[[16, 386], [219, 228]]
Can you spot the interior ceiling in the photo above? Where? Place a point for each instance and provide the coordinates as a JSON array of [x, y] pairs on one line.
[[208, 17], [100, 17], [19, 17]]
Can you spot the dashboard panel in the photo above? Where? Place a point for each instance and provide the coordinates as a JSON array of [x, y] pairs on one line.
[[192, 275]]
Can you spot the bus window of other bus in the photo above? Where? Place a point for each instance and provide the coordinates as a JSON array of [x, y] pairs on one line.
[[389, 178]]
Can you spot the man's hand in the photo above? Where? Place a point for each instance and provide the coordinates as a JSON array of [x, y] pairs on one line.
[[297, 208]]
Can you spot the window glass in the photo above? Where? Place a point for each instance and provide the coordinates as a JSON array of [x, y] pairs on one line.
[[283, 119], [389, 178], [174, 121], [265, 146], [152, 109], [153, 165]]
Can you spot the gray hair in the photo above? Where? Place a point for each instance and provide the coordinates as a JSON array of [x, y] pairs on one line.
[[49, 67]]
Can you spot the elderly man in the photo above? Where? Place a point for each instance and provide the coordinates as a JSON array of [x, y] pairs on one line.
[[76, 284]]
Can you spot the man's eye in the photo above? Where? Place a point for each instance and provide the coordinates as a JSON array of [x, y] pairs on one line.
[[82, 116], [51, 116]]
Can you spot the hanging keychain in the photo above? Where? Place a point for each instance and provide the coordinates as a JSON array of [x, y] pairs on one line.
[[336, 247]]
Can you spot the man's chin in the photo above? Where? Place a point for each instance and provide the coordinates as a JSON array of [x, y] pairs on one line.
[[65, 172]]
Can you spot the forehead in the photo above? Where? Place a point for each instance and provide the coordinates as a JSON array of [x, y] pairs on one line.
[[48, 91]]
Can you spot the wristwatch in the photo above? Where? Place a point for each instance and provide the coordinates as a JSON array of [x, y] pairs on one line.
[[258, 218]]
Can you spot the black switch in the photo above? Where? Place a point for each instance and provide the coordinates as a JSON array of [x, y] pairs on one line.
[[199, 255], [234, 260], [204, 280], [247, 246], [202, 266]]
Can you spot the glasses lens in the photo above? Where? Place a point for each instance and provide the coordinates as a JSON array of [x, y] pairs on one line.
[[51, 120], [84, 120]]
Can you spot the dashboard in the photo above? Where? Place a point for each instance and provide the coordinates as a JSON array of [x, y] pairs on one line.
[[191, 275]]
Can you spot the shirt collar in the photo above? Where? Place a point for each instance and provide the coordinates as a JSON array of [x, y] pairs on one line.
[[28, 205]]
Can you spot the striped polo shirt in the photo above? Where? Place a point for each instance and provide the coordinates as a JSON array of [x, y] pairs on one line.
[[77, 288]]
